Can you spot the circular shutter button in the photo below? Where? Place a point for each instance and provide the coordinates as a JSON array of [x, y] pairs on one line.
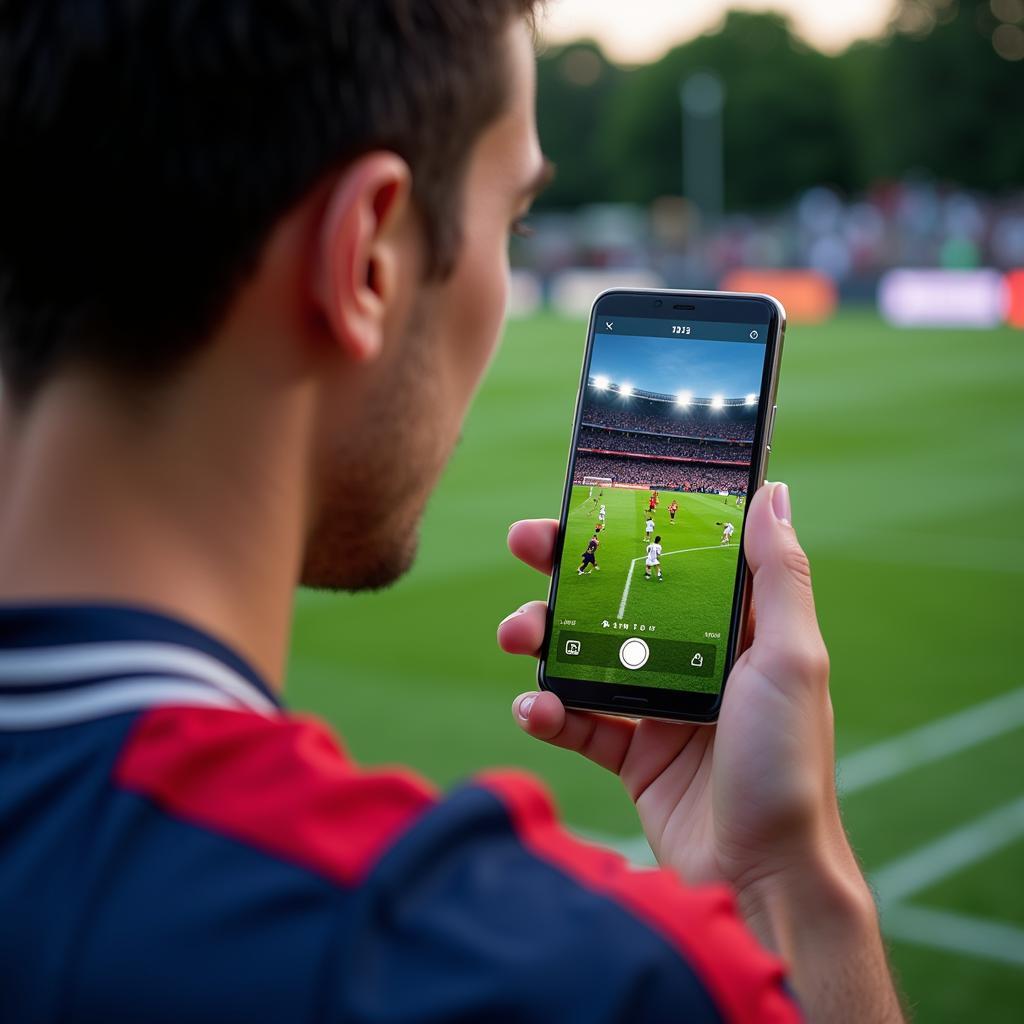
[[634, 653]]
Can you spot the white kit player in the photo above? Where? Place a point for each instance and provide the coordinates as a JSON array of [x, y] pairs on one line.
[[649, 528], [653, 558], [727, 533], [601, 514]]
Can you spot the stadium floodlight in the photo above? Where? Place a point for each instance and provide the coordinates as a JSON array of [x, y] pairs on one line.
[[625, 390], [751, 399], [718, 402], [684, 398], [601, 383]]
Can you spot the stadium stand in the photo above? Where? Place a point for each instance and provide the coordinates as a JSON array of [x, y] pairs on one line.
[[687, 476], [652, 444], [663, 416]]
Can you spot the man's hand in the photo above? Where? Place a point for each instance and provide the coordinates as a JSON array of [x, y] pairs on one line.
[[750, 801]]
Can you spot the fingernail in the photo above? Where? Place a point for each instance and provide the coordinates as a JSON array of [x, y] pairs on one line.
[[510, 525], [512, 615], [524, 706], [780, 504]]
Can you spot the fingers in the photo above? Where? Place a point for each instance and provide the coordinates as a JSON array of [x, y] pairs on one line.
[[533, 541], [600, 738], [522, 632], [787, 633]]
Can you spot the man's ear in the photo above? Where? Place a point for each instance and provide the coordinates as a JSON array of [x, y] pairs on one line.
[[361, 244]]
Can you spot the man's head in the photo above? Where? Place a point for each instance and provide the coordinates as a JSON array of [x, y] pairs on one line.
[[311, 196]]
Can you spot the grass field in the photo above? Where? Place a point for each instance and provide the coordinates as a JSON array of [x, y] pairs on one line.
[[905, 454], [692, 602]]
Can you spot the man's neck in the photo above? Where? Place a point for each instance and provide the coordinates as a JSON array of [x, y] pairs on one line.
[[193, 507]]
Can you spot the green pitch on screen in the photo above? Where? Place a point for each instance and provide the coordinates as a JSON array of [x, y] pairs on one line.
[[689, 607]]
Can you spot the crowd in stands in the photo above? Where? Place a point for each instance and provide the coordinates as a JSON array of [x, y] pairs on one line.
[[664, 418], [915, 222], [650, 444], [661, 475]]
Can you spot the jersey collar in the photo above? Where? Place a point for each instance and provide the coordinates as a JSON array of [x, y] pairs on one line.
[[65, 663]]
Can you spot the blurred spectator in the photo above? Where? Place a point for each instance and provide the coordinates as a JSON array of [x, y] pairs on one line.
[[853, 240]]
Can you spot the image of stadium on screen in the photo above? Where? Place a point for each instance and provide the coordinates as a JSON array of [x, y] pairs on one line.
[[660, 475]]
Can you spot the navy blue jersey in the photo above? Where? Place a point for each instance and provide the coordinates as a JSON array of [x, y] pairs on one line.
[[175, 846]]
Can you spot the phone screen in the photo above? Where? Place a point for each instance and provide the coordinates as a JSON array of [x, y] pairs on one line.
[[662, 463]]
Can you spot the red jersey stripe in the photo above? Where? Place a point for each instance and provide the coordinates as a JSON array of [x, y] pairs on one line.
[[744, 980], [282, 785]]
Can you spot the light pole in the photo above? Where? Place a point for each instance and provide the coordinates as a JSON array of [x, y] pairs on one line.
[[702, 98]]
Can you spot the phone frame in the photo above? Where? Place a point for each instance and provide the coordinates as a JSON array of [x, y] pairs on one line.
[[649, 701]]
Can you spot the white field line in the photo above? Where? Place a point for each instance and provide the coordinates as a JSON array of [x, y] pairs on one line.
[[664, 554], [931, 742], [906, 876], [957, 933], [966, 845], [580, 505]]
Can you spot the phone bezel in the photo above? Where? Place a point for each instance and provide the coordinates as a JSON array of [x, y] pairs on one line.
[[648, 701]]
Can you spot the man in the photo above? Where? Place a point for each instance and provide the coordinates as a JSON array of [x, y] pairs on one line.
[[590, 555], [727, 533], [601, 513], [672, 510], [653, 558], [253, 268]]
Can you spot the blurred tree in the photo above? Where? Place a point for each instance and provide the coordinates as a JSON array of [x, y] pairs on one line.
[[781, 128], [940, 94], [938, 97], [575, 83]]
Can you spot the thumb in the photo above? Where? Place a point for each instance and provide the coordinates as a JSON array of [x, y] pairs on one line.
[[787, 638]]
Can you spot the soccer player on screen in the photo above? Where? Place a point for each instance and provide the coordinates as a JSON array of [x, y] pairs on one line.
[[672, 510], [727, 533], [601, 513], [649, 527], [653, 560], [590, 555]]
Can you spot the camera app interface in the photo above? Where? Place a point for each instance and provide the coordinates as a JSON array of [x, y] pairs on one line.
[[660, 476]]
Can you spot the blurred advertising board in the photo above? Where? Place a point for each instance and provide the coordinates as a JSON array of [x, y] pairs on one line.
[[809, 297], [943, 298]]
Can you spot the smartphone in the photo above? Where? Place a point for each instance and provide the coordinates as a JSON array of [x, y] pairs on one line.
[[671, 434]]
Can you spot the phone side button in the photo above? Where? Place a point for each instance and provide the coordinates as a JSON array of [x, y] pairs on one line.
[[771, 427], [636, 702]]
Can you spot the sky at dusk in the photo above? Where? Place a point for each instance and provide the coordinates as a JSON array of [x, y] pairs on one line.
[[643, 31]]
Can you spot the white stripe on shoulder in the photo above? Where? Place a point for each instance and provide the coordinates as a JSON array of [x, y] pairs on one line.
[[31, 666], [69, 707]]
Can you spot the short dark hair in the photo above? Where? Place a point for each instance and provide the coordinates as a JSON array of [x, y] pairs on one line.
[[148, 147]]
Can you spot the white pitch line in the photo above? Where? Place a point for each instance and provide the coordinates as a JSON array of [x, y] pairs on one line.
[[956, 933], [664, 554], [931, 742], [948, 854], [580, 505]]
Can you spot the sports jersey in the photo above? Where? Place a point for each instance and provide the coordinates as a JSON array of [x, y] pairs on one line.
[[650, 526], [729, 528], [175, 846], [653, 553]]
